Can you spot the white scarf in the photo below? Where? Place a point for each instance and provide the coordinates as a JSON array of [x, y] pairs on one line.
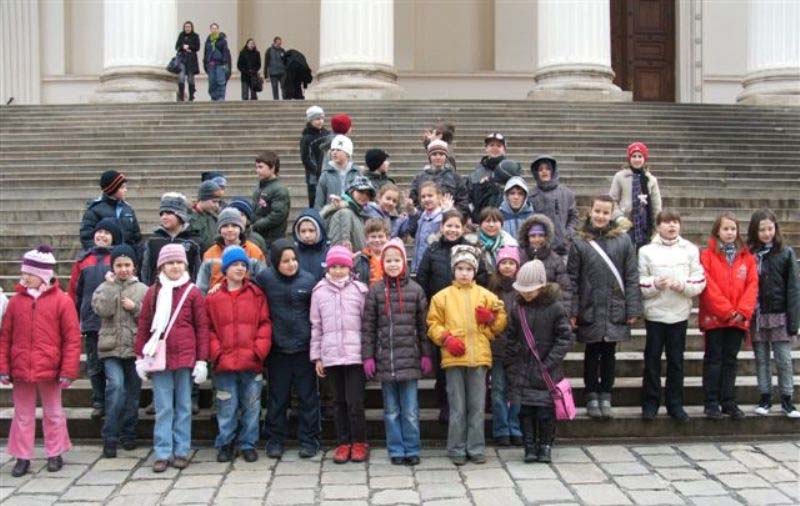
[[164, 304]]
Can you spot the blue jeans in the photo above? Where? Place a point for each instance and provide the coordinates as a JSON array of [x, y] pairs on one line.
[[172, 395], [217, 81], [505, 417], [401, 418], [238, 399], [122, 400], [783, 360]]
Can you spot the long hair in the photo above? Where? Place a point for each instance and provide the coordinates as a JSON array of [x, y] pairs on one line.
[[752, 231], [727, 215], [244, 48], [187, 23]]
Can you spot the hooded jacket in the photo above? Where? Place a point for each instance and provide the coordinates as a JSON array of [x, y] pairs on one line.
[[216, 53], [271, 203], [307, 155], [160, 238], [729, 288], [337, 310], [331, 184], [448, 181], [311, 256], [779, 287], [106, 207], [118, 325], [557, 202], [88, 272], [554, 264], [346, 224], [434, 272], [513, 219]]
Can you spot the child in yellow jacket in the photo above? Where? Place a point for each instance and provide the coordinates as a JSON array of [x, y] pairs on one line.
[[463, 320]]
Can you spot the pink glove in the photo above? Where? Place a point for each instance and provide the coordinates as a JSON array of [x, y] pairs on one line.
[[484, 315], [64, 383], [369, 368], [426, 364]]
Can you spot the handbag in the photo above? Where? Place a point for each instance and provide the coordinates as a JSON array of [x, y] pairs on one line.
[[257, 84], [174, 65], [560, 392], [158, 362]]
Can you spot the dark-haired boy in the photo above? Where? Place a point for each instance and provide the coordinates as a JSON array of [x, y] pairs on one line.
[[271, 201]]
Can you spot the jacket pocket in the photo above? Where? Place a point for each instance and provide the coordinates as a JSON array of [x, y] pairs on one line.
[[616, 309], [106, 342]]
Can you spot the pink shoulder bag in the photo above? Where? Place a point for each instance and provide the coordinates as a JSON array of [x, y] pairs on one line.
[[158, 362]]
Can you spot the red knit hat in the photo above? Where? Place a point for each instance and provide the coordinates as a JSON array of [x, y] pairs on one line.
[[641, 148], [341, 123]]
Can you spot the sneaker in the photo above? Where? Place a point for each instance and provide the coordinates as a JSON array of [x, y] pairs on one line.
[[764, 405], [225, 453], [359, 452], [54, 464], [97, 413], [307, 452], [180, 462], [109, 450], [606, 410], [458, 460], [129, 446], [341, 454], [593, 405], [397, 461], [679, 415], [502, 441], [250, 455], [788, 408], [159, 466], [712, 412], [516, 441], [21, 468], [412, 460], [734, 412]]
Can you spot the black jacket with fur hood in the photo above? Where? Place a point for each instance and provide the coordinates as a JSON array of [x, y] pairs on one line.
[[554, 264]]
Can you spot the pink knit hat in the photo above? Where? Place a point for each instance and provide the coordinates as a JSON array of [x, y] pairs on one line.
[[339, 255], [396, 243], [171, 253], [507, 253], [39, 262]]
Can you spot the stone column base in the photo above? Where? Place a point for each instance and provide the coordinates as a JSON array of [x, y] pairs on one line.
[[136, 84], [771, 87], [577, 83], [355, 82]]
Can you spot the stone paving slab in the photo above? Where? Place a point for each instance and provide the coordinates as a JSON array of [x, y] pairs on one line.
[[694, 473]]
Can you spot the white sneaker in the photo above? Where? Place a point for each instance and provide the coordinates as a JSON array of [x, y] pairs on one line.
[[792, 414], [762, 410]]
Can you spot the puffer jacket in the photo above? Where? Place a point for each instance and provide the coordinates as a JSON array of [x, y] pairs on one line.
[[88, 272], [779, 287], [118, 327], [512, 219], [211, 269], [160, 238], [557, 202], [40, 339], [503, 288], [331, 184], [555, 265], [106, 207], [311, 256], [271, 202], [448, 181], [549, 324], [307, 156], [346, 225], [599, 305], [434, 272], [187, 342], [394, 332], [289, 299], [240, 332], [337, 309], [678, 261], [453, 310], [729, 288]]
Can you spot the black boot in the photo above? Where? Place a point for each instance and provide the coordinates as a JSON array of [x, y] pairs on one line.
[[21, 468], [526, 423], [225, 453], [191, 93], [181, 96], [547, 433]]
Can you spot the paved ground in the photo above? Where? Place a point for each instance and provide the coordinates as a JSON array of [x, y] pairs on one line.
[[699, 474]]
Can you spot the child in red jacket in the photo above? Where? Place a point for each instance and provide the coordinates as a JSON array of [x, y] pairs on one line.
[[41, 326], [239, 341], [726, 307]]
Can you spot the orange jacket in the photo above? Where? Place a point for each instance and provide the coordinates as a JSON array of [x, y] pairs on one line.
[[730, 289]]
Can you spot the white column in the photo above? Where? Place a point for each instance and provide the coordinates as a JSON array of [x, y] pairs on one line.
[[356, 59], [773, 53], [20, 75], [574, 52], [139, 40]]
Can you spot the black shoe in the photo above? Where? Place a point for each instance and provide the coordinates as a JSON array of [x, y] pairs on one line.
[[307, 452], [150, 409], [478, 459], [397, 461], [275, 451], [191, 92], [129, 446], [502, 441], [649, 413], [412, 460], [444, 416], [109, 450], [225, 453], [250, 455], [678, 414], [733, 411], [531, 454], [516, 441], [712, 412], [195, 407], [97, 413], [21, 468], [545, 453], [54, 464]]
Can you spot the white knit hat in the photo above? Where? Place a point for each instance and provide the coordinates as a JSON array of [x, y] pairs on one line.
[[343, 143], [531, 276], [39, 262]]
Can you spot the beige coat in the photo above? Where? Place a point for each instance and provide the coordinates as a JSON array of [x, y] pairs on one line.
[[118, 326], [621, 193]]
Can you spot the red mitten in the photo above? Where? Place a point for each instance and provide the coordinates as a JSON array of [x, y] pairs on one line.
[[454, 345], [484, 315]]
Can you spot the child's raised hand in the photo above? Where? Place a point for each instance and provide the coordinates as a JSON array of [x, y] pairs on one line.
[[214, 289], [320, 369], [128, 304], [447, 202]]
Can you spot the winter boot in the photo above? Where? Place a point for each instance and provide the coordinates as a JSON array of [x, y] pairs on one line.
[[191, 92], [529, 438], [605, 405], [181, 96], [593, 405], [547, 434]]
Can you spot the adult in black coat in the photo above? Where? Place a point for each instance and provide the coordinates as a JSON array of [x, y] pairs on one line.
[[249, 64], [298, 75], [188, 44]]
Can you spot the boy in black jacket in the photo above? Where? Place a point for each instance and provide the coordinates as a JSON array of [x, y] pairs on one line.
[[315, 129]]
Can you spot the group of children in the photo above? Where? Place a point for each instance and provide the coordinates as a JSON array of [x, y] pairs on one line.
[[339, 304]]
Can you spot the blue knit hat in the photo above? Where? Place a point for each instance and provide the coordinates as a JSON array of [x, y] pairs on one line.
[[233, 254]]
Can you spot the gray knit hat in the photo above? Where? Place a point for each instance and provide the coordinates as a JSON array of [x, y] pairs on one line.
[[314, 112], [175, 203], [464, 253], [531, 276], [229, 216], [208, 190]]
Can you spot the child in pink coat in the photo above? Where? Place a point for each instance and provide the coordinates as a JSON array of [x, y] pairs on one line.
[[337, 307]]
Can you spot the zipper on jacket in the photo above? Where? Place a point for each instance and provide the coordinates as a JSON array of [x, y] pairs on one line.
[[470, 330], [391, 336]]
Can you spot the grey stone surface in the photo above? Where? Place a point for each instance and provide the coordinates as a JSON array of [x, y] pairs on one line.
[[145, 487], [572, 454], [396, 496], [496, 496], [699, 487], [522, 471], [581, 473], [641, 482], [31, 500], [299, 481], [381, 482], [344, 491], [611, 453], [88, 493], [189, 495], [763, 496], [487, 478], [442, 476], [702, 452], [624, 468], [601, 495], [783, 452], [717, 467], [431, 491], [753, 460], [665, 460], [681, 474], [654, 450], [103, 478], [45, 486], [198, 481], [778, 474], [544, 490], [344, 477], [745, 480], [648, 497], [280, 497], [719, 500]]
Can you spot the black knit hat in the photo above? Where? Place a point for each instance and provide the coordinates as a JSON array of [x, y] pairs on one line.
[[374, 158], [111, 225], [111, 181], [124, 250]]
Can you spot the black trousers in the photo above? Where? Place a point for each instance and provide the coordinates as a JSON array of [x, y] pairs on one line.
[[287, 372], [440, 386], [599, 362], [719, 365], [660, 337], [538, 424], [349, 420]]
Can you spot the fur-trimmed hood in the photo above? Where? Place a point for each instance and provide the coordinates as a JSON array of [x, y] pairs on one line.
[[588, 232]]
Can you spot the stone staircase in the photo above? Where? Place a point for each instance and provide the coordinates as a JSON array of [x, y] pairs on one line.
[[707, 158]]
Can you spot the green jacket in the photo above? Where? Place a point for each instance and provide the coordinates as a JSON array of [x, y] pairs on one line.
[[204, 227], [118, 326], [271, 202]]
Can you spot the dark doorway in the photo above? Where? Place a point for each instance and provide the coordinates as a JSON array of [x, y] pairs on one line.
[[643, 48]]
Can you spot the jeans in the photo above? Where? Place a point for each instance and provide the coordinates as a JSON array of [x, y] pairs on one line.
[[248, 93], [672, 338], [287, 371], [94, 369], [123, 387], [217, 81], [505, 416], [23, 425], [599, 363], [238, 400], [466, 393], [172, 395], [538, 424], [719, 365], [783, 360], [401, 418], [185, 77], [349, 419], [276, 82]]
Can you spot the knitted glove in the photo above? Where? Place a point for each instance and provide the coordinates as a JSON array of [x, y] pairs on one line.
[[200, 372], [484, 315], [454, 345], [369, 368], [64, 382], [426, 365], [140, 371], [5, 379]]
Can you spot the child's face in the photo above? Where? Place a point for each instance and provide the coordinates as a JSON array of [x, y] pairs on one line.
[[491, 226], [529, 296], [669, 230], [600, 215], [376, 241], [464, 273], [438, 159], [388, 201], [103, 238], [307, 233], [362, 198], [170, 221], [236, 272], [536, 240], [507, 268], [211, 205], [384, 168], [339, 272], [318, 122], [516, 197], [174, 270], [429, 198], [766, 231], [264, 171], [120, 194], [31, 281], [339, 157], [123, 268], [392, 263], [452, 229], [288, 264], [728, 231], [545, 174], [637, 160], [495, 149], [230, 233]]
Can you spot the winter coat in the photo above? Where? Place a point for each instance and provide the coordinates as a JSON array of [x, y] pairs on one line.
[[378, 179], [487, 257], [298, 75], [398, 223], [290, 302], [88, 272], [557, 202], [336, 315], [211, 269], [513, 219], [601, 308], [779, 287], [729, 288], [240, 332], [394, 334], [622, 189], [319, 153], [189, 57], [434, 272], [452, 310], [106, 207], [187, 342], [502, 287], [345, 224], [118, 328], [160, 238], [203, 226], [249, 63], [555, 265], [490, 192], [272, 203], [307, 155], [331, 184], [550, 327], [448, 181], [367, 267], [39, 338], [423, 226], [217, 54], [274, 61], [679, 261], [312, 256]]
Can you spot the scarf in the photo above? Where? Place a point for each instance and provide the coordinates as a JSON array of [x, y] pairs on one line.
[[761, 253], [640, 213], [730, 252], [214, 37], [338, 283], [37, 292], [164, 304], [353, 205], [669, 242], [490, 244]]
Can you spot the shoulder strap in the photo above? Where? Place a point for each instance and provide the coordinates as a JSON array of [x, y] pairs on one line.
[[531, 340], [609, 263], [178, 309]]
